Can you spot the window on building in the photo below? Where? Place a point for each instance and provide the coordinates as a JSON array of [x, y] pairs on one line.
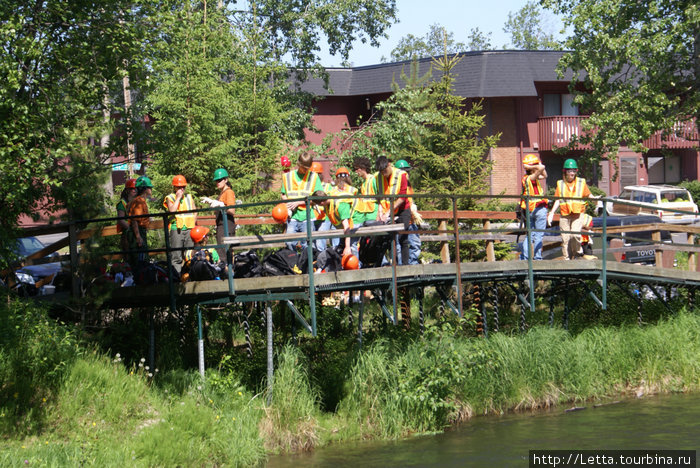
[[559, 104], [664, 170], [628, 171]]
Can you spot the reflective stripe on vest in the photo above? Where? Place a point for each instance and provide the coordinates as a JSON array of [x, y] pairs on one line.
[[186, 204], [392, 189], [586, 224], [572, 206], [367, 205], [529, 189], [334, 215], [299, 189], [349, 190]]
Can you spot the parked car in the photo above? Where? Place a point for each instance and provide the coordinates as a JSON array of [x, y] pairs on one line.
[[653, 200], [645, 254], [27, 246]]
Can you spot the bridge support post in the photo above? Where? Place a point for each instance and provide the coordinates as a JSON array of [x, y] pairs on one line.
[[270, 362], [200, 341]]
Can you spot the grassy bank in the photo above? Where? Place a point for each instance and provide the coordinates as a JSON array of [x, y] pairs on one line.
[[62, 403]]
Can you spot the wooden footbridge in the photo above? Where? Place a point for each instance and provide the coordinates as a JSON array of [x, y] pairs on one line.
[[449, 229]]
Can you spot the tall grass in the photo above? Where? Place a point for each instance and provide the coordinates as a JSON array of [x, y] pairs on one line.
[[436, 382]]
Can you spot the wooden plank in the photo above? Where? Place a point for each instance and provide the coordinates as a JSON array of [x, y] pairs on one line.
[[265, 238]]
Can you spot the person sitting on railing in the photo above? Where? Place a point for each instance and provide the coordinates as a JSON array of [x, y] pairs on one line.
[[297, 184], [534, 204], [394, 181], [128, 194], [573, 189], [137, 235], [339, 212]]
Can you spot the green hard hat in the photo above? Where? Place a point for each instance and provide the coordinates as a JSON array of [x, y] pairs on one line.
[[402, 164], [570, 164], [144, 181], [220, 173]]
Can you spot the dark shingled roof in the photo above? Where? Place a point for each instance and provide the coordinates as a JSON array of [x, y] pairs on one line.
[[484, 74]]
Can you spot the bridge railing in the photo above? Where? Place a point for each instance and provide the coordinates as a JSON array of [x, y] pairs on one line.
[[450, 228]]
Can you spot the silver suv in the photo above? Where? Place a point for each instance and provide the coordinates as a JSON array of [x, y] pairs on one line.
[[654, 200]]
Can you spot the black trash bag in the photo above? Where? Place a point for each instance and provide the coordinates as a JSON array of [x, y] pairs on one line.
[[247, 265], [329, 260], [283, 262], [373, 248]]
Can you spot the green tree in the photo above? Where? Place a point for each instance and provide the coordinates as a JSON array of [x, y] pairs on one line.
[[437, 131], [639, 63], [477, 40], [60, 73], [435, 42], [527, 29]]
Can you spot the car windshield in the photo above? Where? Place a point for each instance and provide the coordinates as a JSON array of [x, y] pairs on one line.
[[673, 196], [28, 245]]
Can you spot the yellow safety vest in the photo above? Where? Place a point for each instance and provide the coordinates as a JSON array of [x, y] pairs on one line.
[[572, 206], [367, 205], [299, 189], [349, 190], [186, 204], [392, 189], [534, 190], [334, 215]]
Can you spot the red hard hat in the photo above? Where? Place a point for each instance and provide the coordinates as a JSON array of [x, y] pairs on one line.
[[179, 181], [130, 183], [198, 233], [285, 162], [350, 262], [279, 213]]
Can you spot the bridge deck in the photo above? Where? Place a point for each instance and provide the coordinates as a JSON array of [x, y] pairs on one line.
[[411, 275]]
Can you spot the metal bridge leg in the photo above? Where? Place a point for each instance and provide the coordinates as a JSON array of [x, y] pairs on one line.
[[270, 364], [494, 301], [246, 329], [151, 339], [359, 320], [200, 341], [551, 310], [421, 314]]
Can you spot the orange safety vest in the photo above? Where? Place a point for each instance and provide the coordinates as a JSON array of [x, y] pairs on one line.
[[299, 189], [571, 206], [186, 204], [391, 189], [334, 215], [533, 190], [587, 224]]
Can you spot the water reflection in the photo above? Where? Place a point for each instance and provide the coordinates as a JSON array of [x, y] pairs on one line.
[[665, 422]]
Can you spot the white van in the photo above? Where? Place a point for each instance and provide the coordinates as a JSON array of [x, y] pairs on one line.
[[654, 200]]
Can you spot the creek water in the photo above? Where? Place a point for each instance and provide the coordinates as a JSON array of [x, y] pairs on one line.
[[654, 423]]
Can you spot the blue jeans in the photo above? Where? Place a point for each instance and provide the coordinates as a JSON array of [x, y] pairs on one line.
[[294, 226], [413, 247], [325, 225], [538, 220]]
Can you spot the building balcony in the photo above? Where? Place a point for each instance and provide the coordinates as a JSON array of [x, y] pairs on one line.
[[557, 131]]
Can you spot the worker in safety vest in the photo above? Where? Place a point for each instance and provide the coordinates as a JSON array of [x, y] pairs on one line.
[[343, 187], [321, 222], [414, 241], [339, 213], [533, 204], [137, 235], [179, 202], [573, 190], [298, 183], [394, 181], [367, 208], [123, 225]]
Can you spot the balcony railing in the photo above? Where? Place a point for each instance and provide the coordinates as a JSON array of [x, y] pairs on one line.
[[557, 131]]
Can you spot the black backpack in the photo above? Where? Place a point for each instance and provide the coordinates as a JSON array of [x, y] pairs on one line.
[[373, 248], [329, 260], [283, 262], [247, 265]]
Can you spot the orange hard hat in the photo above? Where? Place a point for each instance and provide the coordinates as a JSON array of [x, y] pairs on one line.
[[350, 262], [342, 170], [130, 183], [317, 167], [531, 158], [285, 162], [198, 233], [179, 181], [279, 213]]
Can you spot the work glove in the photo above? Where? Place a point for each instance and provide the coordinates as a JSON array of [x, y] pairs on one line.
[[415, 215], [213, 203]]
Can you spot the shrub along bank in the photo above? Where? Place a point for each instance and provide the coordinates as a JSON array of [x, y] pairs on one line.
[[63, 403]]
